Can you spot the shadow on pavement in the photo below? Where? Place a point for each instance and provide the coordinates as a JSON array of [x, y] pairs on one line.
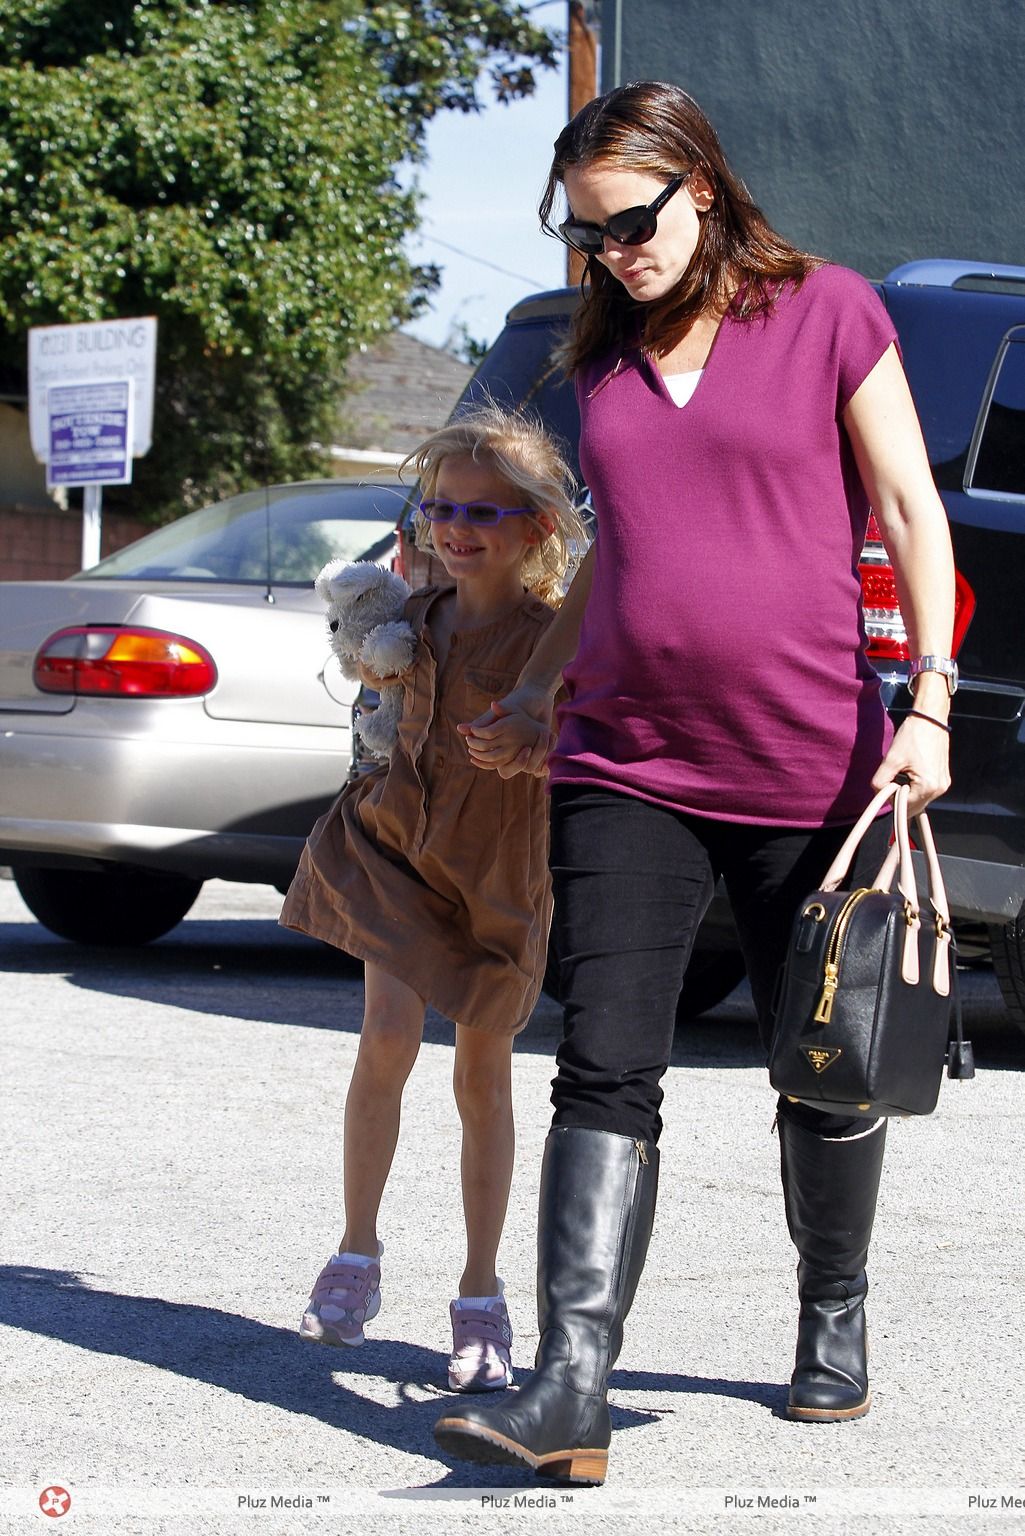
[[253, 970], [255, 945], [265, 1364], [234, 968]]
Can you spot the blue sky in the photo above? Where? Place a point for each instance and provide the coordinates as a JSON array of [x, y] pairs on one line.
[[481, 183]]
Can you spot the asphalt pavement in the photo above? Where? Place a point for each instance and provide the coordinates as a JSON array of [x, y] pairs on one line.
[[170, 1136]]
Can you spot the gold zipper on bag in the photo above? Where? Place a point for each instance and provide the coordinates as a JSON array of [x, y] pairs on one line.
[[834, 950]]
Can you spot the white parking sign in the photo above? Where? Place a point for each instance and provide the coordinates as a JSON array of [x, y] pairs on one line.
[[90, 407], [97, 351]]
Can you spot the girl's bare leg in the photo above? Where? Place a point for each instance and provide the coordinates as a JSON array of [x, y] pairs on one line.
[[393, 1020], [483, 1088]]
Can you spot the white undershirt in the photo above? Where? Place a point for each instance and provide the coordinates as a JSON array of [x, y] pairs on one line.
[[682, 385]]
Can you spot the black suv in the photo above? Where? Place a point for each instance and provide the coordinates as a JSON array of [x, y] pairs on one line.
[[962, 333]]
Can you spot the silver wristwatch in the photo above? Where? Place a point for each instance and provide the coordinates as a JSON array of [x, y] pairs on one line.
[[942, 664]]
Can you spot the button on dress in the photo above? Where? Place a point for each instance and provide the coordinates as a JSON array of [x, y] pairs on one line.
[[432, 869]]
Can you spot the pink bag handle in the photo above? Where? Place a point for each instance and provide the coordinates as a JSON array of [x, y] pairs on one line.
[[899, 858], [899, 853]]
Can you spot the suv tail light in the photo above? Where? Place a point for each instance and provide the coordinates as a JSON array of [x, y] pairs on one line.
[[887, 637], [114, 660]]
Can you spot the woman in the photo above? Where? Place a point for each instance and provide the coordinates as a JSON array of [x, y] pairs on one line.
[[741, 405]]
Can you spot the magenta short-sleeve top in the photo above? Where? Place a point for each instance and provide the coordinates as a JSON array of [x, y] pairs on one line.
[[721, 668]]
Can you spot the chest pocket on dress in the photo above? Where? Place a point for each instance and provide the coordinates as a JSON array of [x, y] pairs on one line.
[[484, 684]]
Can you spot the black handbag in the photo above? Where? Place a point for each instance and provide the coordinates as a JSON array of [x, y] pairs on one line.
[[862, 1022]]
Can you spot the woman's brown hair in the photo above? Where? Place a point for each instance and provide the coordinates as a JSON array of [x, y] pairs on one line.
[[740, 259]]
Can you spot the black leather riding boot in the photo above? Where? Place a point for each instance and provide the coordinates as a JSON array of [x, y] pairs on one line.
[[596, 1209], [829, 1188]]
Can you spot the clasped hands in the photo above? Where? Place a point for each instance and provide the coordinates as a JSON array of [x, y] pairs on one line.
[[514, 736]]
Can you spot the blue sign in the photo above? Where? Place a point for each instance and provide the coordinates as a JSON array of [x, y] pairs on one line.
[[90, 433]]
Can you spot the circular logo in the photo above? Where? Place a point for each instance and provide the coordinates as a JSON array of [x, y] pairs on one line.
[[55, 1502]]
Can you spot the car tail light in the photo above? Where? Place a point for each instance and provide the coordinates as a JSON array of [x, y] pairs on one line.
[[887, 637], [114, 660]]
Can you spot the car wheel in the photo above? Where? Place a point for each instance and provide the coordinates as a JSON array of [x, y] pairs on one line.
[[713, 973], [1007, 945], [115, 906]]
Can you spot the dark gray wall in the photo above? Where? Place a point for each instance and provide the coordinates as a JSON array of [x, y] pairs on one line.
[[870, 131]]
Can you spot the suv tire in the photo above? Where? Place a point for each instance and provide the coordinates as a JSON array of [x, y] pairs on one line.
[[1007, 945], [711, 976]]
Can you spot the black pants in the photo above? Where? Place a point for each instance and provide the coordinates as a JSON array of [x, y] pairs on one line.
[[632, 882]]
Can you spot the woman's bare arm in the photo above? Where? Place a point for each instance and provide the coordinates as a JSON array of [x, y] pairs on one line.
[[887, 440], [494, 740]]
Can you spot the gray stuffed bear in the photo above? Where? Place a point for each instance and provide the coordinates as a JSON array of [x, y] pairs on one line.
[[364, 607]]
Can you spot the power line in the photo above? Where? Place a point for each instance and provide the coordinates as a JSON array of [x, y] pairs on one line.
[[480, 260]]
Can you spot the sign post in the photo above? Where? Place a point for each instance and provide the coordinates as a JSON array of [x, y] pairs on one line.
[[91, 389], [92, 513]]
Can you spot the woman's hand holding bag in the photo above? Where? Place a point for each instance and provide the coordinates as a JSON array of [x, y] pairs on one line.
[[863, 1018]]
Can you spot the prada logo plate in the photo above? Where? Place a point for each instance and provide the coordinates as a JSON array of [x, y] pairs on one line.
[[820, 1058]]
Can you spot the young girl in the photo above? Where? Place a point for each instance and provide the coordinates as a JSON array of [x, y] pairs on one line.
[[436, 875]]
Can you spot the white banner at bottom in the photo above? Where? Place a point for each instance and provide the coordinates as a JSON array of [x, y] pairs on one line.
[[305, 1509]]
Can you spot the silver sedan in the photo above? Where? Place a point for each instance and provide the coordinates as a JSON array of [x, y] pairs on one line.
[[175, 714]]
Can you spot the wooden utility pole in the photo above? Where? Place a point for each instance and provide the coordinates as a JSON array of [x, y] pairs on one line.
[[583, 87]]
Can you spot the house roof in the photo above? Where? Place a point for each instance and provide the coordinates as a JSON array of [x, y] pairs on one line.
[[402, 389]]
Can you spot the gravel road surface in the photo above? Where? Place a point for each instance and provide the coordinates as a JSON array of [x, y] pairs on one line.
[[170, 1135]]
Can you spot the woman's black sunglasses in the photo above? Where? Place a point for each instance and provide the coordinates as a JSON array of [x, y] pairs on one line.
[[634, 226]]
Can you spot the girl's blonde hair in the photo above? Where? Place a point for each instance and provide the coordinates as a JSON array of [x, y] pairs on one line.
[[519, 449]]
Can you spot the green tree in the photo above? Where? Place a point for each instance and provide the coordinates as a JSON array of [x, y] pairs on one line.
[[230, 166], [472, 349]]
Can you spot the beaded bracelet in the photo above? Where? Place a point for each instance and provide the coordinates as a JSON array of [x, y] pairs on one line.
[[917, 715]]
